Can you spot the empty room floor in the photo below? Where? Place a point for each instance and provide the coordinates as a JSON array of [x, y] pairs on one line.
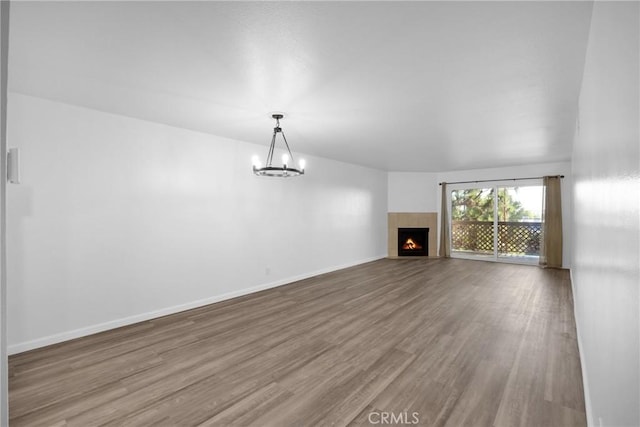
[[437, 342]]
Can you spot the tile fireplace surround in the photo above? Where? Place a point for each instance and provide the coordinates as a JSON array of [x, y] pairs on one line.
[[397, 220]]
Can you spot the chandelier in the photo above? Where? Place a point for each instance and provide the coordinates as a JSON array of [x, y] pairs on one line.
[[285, 170]]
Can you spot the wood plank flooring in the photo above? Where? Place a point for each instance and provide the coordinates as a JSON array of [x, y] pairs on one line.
[[437, 342]]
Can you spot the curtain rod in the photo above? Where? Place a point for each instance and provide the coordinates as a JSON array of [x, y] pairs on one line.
[[494, 180]]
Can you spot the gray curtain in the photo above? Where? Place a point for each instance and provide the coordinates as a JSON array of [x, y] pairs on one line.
[[445, 249], [551, 240]]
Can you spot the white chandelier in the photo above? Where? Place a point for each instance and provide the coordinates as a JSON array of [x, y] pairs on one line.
[[285, 170]]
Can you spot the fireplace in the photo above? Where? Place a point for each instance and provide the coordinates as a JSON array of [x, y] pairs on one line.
[[413, 241]]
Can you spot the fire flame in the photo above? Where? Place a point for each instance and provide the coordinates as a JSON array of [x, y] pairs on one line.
[[411, 245]]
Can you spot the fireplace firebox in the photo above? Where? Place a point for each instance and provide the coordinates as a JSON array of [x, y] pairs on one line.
[[413, 241]]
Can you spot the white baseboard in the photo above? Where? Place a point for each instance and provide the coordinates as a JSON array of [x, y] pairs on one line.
[[117, 323], [583, 365]]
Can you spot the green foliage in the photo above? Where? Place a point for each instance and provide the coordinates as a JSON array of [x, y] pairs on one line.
[[472, 205], [477, 205]]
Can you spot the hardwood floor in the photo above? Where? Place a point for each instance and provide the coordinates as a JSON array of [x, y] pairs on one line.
[[437, 342]]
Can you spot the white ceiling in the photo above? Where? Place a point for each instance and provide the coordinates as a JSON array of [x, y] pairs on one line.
[[400, 86]]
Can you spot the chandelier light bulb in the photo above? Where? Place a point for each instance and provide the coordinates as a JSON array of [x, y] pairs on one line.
[[285, 159], [256, 162], [302, 163]]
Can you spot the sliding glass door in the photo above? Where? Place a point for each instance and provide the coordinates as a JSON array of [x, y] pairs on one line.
[[472, 222], [496, 222], [519, 223]]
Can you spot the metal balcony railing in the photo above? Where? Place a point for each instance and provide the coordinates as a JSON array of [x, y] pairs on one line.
[[514, 238]]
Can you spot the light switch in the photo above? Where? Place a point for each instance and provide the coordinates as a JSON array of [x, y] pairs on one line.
[[13, 166]]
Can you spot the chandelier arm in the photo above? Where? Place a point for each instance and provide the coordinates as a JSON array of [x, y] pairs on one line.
[[271, 149], [288, 149]]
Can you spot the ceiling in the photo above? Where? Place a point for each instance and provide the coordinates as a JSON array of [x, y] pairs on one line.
[[398, 86]]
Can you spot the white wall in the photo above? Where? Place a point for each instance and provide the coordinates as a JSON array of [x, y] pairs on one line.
[[606, 257], [4, 57], [412, 192], [119, 220]]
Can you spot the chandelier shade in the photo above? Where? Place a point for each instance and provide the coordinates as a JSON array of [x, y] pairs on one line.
[[284, 171]]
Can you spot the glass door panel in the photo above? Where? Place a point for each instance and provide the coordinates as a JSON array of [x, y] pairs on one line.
[[519, 222], [472, 222]]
